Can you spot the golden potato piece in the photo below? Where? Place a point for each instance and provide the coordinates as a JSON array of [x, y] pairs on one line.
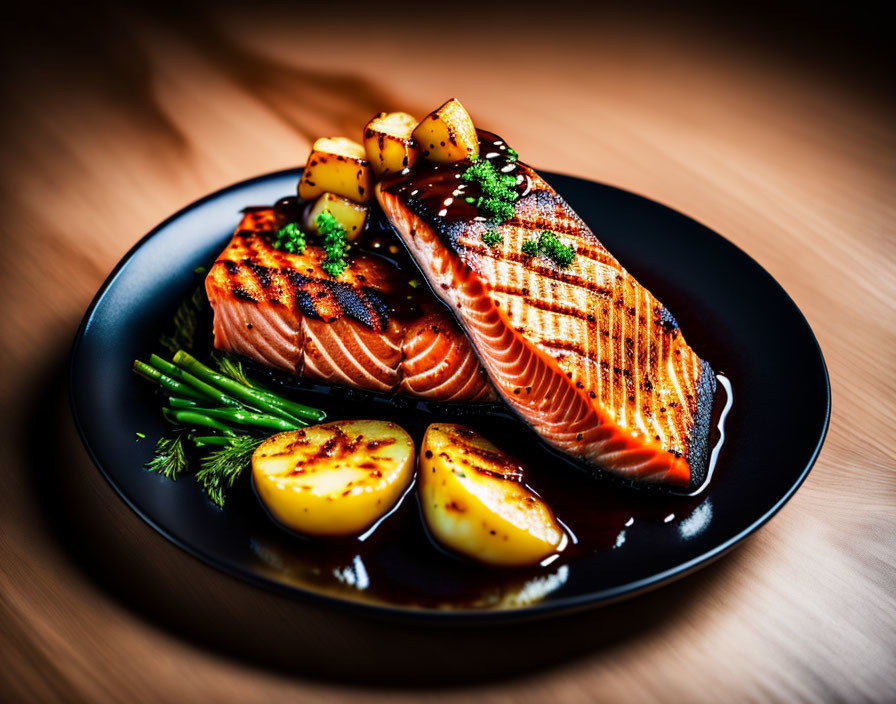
[[351, 215], [389, 144], [475, 503], [335, 478], [336, 165], [448, 134]]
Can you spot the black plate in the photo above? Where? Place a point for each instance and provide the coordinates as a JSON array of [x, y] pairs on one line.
[[732, 312]]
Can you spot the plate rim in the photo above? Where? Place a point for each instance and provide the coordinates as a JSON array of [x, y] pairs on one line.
[[538, 610]]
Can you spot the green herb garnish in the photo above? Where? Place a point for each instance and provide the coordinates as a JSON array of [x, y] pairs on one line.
[[169, 459], [494, 184], [498, 190], [335, 243], [290, 238], [550, 245], [530, 247], [492, 238], [501, 210], [512, 154], [140, 436], [232, 367], [562, 254], [221, 468]]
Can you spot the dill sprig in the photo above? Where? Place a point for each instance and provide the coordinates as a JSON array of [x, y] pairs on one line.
[[232, 367], [181, 334], [335, 243], [220, 469], [552, 247], [289, 238], [169, 458]]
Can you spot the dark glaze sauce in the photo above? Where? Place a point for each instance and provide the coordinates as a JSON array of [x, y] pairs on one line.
[[397, 562], [437, 192]]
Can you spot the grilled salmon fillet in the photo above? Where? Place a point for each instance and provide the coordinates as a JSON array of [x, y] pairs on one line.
[[584, 354], [284, 311]]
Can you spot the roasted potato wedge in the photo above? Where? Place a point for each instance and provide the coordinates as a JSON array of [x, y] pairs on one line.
[[475, 503], [336, 165], [334, 479], [389, 144], [351, 215], [447, 135]]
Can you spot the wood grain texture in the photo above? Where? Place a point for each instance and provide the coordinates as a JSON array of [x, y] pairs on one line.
[[107, 134]]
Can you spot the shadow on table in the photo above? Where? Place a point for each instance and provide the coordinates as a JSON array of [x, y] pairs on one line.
[[177, 593]]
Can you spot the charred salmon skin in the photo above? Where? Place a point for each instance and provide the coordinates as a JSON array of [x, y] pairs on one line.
[[282, 310], [588, 357]]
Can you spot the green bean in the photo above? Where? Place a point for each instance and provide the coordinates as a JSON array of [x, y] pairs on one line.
[[262, 400], [206, 390], [165, 381], [189, 418], [248, 418], [177, 402]]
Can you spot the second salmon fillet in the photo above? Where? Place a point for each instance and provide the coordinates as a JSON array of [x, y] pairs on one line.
[[588, 357]]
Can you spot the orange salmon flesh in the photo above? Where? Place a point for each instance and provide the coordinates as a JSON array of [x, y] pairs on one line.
[[588, 357], [282, 310]]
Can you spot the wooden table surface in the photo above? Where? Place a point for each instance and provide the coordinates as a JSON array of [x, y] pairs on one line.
[[107, 133]]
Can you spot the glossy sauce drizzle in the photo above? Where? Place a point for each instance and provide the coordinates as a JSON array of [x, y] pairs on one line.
[[438, 192], [396, 561]]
